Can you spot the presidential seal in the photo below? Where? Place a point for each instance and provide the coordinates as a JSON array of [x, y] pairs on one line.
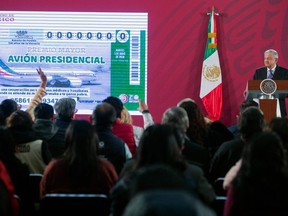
[[268, 86], [211, 72]]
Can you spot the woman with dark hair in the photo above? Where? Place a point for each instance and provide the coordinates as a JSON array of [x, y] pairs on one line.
[[260, 186], [202, 130], [30, 150], [198, 128], [79, 170], [279, 125], [160, 145]]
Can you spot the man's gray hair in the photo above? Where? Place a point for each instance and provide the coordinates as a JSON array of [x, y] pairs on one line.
[[273, 52], [177, 116], [65, 107]]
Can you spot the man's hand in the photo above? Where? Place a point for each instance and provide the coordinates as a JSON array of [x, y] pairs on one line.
[[43, 77], [142, 106]]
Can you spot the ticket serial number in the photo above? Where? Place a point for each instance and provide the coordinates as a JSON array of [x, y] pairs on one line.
[[26, 101]]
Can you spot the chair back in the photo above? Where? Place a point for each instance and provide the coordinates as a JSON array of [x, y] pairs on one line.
[[34, 179], [218, 187], [218, 205], [75, 204]]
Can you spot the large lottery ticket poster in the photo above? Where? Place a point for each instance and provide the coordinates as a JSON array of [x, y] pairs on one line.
[[86, 56]]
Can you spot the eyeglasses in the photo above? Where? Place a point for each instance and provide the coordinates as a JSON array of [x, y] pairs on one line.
[[76, 110]]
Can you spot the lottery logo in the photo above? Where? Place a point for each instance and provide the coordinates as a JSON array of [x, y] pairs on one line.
[[123, 98]]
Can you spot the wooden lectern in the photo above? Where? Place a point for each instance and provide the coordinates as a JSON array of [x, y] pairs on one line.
[[267, 104]]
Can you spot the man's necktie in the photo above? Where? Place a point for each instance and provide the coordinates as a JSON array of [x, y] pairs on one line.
[[270, 75]]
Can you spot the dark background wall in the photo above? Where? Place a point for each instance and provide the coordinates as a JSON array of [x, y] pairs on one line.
[[177, 32]]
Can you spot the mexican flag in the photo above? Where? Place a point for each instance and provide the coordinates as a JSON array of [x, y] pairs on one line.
[[211, 79]]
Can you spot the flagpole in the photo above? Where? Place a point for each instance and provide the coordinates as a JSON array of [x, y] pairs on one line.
[[212, 33], [211, 79]]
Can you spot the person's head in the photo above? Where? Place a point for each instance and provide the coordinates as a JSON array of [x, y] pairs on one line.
[[177, 116], [125, 116], [280, 127], [80, 138], [159, 145], [262, 174], [8, 106], [270, 58], [197, 129], [166, 203], [245, 104], [263, 155], [104, 116], [65, 108], [116, 103], [250, 122], [20, 121], [248, 103], [44, 111], [81, 143]]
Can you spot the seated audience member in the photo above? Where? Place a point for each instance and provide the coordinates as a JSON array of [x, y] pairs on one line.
[[202, 130], [250, 116], [250, 122], [159, 145], [198, 128], [122, 130], [46, 129], [30, 150], [79, 170], [247, 103], [147, 118], [19, 172], [280, 127], [162, 184], [193, 152], [9, 205], [110, 147], [260, 186], [43, 124], [65, 109]]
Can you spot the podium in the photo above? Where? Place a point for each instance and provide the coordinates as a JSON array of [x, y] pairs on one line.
[[267, 103]]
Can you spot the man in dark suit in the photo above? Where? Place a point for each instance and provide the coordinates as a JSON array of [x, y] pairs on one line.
[[272, 71]]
